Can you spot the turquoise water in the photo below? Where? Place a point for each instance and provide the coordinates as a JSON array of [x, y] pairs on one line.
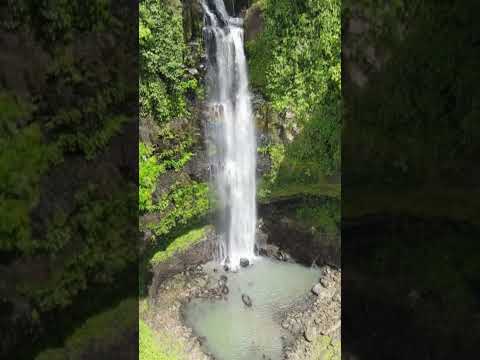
[[234, 331]]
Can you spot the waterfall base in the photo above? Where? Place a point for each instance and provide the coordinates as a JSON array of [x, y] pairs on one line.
[[246, 322]]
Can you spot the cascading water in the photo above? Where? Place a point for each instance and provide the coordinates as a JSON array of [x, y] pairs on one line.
[[232, 158]]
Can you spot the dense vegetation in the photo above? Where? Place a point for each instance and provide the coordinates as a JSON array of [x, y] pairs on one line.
[[295, 63], [163, 80], [422, 136], [164, 86], [63, 220]]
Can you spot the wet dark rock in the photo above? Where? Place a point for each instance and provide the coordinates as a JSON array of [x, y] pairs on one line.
[[244, 262], [261, 237], [202, 340], [269, 250], [224, 278], [226, 268], [282, 256], [307, 248], [225, 290], [246, 300]]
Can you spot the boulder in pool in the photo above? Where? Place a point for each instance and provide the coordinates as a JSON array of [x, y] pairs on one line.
[[244, 262], [225, 290], [246, 300]]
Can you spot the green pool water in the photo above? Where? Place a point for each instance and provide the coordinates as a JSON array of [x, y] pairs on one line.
[[234, 331]]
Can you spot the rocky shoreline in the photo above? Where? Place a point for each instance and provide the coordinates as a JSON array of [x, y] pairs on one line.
[[317, 328], [314, 324]]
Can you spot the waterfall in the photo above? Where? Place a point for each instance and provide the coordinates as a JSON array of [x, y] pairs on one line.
[[231, 128]]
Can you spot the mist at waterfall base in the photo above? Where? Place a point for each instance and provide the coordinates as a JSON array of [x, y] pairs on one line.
[[234, 331], [232, 133]]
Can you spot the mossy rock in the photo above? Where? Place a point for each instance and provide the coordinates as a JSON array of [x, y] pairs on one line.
[[180, 244]]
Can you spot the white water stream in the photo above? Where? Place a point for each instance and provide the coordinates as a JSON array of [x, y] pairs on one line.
[[233, 158]]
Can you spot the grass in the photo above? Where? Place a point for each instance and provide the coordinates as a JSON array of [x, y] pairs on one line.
[[180, 244], [324, 348], [292, 190], [455, 204], [290, 178], [105, 328], [325, 216], [153, 347]]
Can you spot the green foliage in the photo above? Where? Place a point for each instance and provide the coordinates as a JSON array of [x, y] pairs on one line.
[[319, 143], [305, 70], [58, 21], [92, 142], [24, 158], [181, 204], [103, 329], [149, 171], [12, 111], [326, 216], [276, 154], [432, 75], [163, 77], [179, 244], [89, 240], [85, 124], [148, 346], [168, 205], [259, 52], [78, 96], [176, 148], [82, 102], [291, 175], [296, 63]]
